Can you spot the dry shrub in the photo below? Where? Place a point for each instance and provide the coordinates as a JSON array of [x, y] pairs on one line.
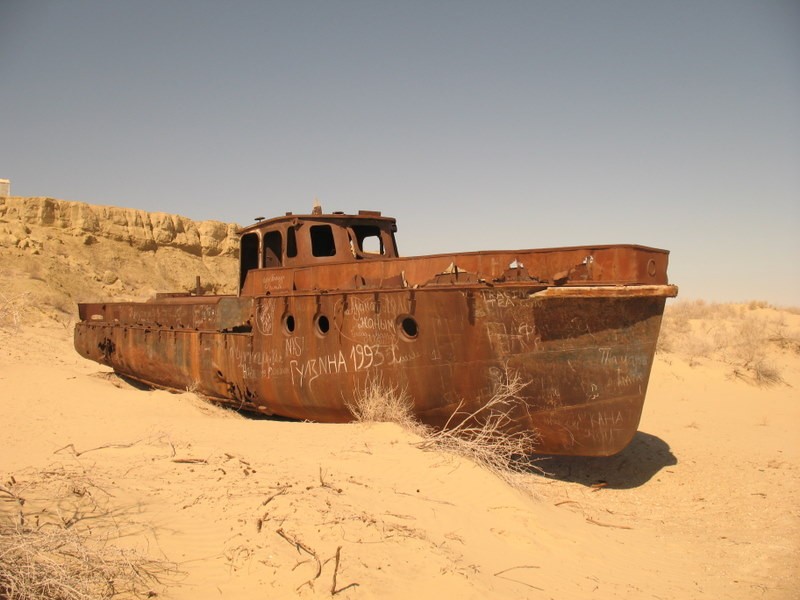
[[56, 563], [377, 402], [742, 336], [765, 373], [756, 304], [486, 436], [685, 310], [60, 548], [11, 310]]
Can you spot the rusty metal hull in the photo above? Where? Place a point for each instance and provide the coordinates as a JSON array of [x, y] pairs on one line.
[[585, 350]]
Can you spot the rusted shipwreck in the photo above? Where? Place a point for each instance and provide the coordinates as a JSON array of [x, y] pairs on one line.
[[326, 304]]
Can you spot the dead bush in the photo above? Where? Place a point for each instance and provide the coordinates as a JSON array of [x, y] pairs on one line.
[[377, 402], [485, 436], [766, 373], [742, 336], [56, 543], [11, 310], [57, 563], [488, 436]]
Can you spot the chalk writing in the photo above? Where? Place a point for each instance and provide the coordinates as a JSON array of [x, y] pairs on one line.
[[264, 319], [273, 281], [359, 306], [503, 298], [204, 316], [512, 338], [305, 372], [607, 357], [294, 346], [375, 323], [252, 364], [365, 356]]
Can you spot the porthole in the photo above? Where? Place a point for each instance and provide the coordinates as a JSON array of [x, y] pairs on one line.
[[322, 324], [408, 327], [288, 324]]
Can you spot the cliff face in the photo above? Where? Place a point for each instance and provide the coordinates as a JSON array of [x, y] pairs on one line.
[[55, 253], [142, 230]]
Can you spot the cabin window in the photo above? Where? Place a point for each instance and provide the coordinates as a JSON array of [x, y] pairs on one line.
[[273, 249], [248, 255], [291, 242], [322, 243], [369, 239]]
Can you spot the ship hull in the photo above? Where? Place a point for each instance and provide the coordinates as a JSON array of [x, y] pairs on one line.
[[582, 354]]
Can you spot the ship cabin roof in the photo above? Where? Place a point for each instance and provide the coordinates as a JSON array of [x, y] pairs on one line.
[[302, 240]]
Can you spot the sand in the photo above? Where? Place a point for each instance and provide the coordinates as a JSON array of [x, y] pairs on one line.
[[702, 504]]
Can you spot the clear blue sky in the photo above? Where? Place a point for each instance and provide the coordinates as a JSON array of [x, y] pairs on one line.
[[479, 125]]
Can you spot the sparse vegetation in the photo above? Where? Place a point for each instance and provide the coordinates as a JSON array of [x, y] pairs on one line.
[[744, 336], [484, 436], [56, 563], [11, 310], [378, 403], [49, 552]]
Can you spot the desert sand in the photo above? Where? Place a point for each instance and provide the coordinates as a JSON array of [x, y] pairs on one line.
[[214, 504]]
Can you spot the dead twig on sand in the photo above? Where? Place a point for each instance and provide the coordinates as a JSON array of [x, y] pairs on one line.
[[282, 491], [501, 575], [301, 546], [518, 567], [334, 591], [103, 447], [593, 522], [566, 502]]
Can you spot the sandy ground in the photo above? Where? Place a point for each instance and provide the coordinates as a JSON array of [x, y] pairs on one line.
[[703, 504]]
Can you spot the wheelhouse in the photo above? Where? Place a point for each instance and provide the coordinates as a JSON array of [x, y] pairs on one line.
[[302, 240]]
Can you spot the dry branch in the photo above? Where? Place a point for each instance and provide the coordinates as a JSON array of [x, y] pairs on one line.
[[487, 435], [593, 522], [378, 403], [301, 546], [103, 447], [518, 567], [334, 591], [60, 558]]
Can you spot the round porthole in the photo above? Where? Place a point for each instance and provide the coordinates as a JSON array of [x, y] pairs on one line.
[[288, 324], [322, 323], [651, 268], [408, 327]]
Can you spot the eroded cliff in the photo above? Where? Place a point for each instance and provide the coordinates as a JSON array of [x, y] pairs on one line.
[[55, 253]]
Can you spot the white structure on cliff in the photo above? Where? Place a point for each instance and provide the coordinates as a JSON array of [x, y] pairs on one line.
[[5, 187]]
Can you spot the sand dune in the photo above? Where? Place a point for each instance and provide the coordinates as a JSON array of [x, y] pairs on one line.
[[702, 504]]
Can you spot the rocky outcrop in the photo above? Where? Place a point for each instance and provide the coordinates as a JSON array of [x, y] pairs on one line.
[[141, 230], [55, 254]]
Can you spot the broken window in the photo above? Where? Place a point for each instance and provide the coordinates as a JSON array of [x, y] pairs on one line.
[[248, 255], [273, 249], [322, 243], [291, 242], [369, 240]]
